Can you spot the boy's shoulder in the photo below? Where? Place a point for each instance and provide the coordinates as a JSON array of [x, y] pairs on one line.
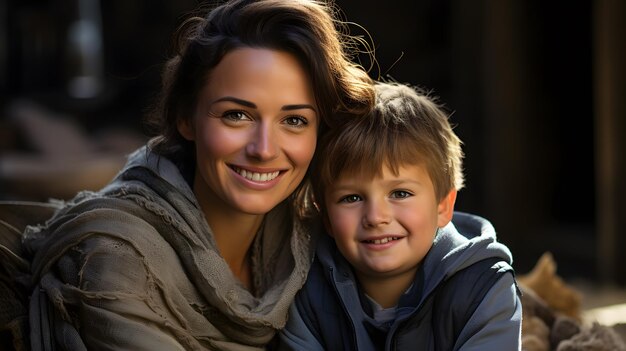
[[447, 310], [458, 296], [472, 282]]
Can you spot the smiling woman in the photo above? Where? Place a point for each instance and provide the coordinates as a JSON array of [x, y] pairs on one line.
[[200, 241], [255, 129], [255, 117]]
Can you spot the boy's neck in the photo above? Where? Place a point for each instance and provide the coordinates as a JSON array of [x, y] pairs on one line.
[[386, 291]]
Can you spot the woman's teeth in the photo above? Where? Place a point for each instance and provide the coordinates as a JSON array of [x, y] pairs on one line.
[[256, 176]]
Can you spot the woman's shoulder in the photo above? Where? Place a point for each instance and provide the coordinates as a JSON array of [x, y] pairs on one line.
[[103, 263], [93, 228]]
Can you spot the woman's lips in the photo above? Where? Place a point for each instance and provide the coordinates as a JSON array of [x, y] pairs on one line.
[[257, 179], [256, 176]]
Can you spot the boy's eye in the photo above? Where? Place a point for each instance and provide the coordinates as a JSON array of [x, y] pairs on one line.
[[400, 194], [350, 198], [296, 121]]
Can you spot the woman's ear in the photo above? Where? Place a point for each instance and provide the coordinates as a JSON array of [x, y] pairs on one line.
[[185, 128], [445, 209]]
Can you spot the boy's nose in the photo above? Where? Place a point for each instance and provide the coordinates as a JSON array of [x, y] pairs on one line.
[[262, 145], [376, 213]]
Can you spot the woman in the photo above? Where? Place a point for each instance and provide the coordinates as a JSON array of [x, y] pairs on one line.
[[198, 243]]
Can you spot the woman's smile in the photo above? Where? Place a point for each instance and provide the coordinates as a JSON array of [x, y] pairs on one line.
[[257, 179]]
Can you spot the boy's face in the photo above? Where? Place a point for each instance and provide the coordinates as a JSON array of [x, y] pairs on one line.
[[385, 226]]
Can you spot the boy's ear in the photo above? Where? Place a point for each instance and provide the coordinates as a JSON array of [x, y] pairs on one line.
[[445, 209], [324, 217], [328, 228], [185, 128]]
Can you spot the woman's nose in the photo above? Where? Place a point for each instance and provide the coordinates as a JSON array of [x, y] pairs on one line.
[[262, 144]]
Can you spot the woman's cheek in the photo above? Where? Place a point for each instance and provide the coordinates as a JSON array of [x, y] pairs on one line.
[[303, 149]]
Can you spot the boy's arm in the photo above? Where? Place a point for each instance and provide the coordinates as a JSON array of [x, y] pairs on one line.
[[297, 335], [496, 323]]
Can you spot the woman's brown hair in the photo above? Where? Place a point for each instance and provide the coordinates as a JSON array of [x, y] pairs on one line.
[[310, 30]]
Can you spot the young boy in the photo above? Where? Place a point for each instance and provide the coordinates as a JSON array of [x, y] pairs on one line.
[[400, 270]]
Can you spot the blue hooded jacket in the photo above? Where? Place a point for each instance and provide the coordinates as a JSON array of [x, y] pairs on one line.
[[464, 297]]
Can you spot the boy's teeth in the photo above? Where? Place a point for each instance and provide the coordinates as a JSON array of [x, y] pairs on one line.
[[382, 241], [256, 176]]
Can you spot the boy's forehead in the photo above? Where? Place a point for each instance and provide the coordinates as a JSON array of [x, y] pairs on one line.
[[368, 173]]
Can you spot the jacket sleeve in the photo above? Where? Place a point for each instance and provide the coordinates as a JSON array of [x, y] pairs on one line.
[[297, 334], [496, 323]]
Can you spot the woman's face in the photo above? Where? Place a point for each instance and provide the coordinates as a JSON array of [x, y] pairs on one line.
[[255, 131]]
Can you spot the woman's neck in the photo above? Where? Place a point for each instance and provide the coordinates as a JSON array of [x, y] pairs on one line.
[[234, 233]]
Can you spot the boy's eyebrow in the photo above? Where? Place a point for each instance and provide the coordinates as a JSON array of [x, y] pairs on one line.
[[351, 186], [250, 104], [334, 187], [405, 180]]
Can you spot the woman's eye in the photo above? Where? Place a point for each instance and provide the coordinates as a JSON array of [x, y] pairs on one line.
[[350, 198], [296, 121], [235, 116], [400, 194]]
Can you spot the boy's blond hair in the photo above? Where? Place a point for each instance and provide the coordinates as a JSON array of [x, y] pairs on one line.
[[405, 127]]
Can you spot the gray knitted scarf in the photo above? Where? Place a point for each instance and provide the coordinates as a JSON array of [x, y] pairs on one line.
[[135, 266]]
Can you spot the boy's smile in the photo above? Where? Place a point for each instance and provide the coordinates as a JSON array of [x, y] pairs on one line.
[[384, 226], [381, 242]]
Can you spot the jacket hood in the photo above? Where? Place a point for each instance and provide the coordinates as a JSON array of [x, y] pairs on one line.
[[466, 240]]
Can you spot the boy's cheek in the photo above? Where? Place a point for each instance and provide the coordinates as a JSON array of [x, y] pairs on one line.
[[340, 225]]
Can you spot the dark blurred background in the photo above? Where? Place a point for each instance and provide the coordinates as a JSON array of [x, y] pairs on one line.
[[537, 91]]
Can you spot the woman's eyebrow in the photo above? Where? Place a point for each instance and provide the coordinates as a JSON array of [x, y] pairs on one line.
[[297, 107], [250, 104], [235, 100]]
